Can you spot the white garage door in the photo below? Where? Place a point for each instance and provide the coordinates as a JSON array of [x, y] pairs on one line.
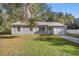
[[59, 30]]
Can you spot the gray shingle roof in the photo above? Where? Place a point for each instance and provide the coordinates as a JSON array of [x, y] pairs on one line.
[[19, 23], [50, 23], [42, 23]]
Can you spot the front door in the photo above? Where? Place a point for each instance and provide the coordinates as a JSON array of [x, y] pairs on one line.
[[50, 30]]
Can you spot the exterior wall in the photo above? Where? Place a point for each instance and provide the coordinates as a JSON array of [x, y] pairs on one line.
[[26, 30], [47, 31], [59, 30], [23, 30], [50, 31], [42, 32]]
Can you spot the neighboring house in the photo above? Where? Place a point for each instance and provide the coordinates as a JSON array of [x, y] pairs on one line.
[[55, 28]]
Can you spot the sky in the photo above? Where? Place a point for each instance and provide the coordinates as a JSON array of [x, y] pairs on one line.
[[72, 8]]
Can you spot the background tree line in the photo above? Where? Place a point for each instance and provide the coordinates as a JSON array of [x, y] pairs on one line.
[[31, 13]]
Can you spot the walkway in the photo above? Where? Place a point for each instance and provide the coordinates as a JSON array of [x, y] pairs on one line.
[[76, 40]]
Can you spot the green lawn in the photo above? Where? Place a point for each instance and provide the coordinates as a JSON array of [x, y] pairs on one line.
[[74, 35], [37, 45]]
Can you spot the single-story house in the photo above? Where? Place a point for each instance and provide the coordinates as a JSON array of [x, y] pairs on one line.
[[55, 28]]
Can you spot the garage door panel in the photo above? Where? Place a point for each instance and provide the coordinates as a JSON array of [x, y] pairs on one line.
[[59, 30]]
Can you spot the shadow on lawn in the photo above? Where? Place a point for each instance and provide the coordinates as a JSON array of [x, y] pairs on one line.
[[55, 40], [7, 37]]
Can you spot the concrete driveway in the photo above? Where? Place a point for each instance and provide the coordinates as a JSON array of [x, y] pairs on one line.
[[73, 31], [76, 40]]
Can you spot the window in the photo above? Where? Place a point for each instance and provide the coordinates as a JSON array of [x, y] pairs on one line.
[[31, 29], [41, 28], [49, 28], [18, 29]]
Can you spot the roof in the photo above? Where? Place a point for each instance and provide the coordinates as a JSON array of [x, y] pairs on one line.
[[18, 23], [42, 23], [50, 23]]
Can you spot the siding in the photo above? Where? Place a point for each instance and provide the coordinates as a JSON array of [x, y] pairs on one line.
[[59, 30], [25, 30]]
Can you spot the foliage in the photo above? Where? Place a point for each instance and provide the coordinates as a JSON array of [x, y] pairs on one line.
[[10, 13], [31, 13], [32, 22]]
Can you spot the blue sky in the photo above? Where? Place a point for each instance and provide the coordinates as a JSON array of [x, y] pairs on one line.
[[72, 8]]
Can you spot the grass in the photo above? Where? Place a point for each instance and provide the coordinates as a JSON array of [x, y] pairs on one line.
[[74, 35], [37, 45]]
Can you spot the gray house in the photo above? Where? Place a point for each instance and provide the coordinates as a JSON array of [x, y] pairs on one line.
[[55, 28]]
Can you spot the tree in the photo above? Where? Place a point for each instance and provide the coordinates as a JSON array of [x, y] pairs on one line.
[[69, 19], [19, 12]]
